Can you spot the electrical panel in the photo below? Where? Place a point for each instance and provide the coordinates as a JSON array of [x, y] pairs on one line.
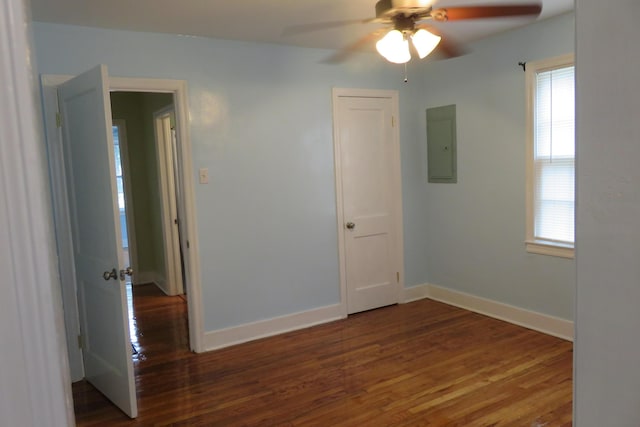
[[441, 144]]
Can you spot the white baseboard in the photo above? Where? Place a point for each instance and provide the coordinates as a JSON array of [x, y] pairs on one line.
[[265, 328], [142, 277], [414, 293], [145, 277], [540, 322], [544, 323]]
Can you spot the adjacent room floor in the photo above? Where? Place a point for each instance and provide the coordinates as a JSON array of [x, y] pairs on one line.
[[417, 364]]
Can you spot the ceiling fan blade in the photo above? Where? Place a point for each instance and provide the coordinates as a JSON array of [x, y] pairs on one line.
[[449, 49], [358, 45], [319, 26], [446, 48], [475, 12]]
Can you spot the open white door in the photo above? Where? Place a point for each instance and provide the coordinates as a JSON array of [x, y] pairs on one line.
[[167, 170], [91, 185]]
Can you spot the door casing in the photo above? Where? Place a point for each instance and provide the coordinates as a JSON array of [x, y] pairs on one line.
[[62, 225]]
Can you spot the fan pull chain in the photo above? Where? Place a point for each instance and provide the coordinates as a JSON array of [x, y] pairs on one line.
[[406, 79]]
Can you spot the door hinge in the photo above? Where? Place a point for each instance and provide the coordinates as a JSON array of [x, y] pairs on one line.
[[58, 120], [80, 342], [398, 276], [393, 121], [188, 245]]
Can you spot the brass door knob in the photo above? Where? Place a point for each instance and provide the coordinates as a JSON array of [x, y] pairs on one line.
[[108, 275], [126, 272]]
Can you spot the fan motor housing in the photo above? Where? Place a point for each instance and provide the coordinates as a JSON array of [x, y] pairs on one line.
[[387, 9]]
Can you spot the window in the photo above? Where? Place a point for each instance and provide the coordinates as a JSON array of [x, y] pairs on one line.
[[119, 181], [551, 157], [119, 131]]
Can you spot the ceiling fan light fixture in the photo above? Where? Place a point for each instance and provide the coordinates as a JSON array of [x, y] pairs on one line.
[[424, 42], [394, 47]]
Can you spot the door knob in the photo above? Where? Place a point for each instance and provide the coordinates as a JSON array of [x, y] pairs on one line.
[[126, 272], [351, 225], [107, 275]]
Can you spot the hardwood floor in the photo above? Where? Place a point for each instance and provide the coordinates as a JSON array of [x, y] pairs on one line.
[[418, 364]]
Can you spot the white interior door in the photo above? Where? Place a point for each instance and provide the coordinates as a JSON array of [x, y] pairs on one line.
[[90, 170], [367, 145], [179, 185], [168, 190]]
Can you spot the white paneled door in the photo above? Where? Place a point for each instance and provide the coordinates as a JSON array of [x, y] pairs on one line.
[[368, 180], [95, 227]]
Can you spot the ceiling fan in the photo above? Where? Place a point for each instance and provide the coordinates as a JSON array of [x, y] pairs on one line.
[[409, 23]]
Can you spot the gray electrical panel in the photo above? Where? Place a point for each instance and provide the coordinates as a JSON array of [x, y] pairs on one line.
[[441, 144]]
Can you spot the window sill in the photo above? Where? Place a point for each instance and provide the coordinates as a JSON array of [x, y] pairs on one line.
[[552, 249]]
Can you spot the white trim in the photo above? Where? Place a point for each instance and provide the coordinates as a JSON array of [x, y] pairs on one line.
[[363, 93], [191, 255], [560, 61], [540, 322], [414, 293], [62, 227], [544, 323], [342, 259], [169, 211], [265, 328], [550, 249], [534, 67], [34, 379], [145, 277], [396, 186]]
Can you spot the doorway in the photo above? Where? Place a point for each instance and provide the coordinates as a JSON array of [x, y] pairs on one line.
[[53, 120], [146, 185], [368, 187]]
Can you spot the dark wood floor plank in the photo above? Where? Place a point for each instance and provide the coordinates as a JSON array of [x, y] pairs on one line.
[[423, 363]]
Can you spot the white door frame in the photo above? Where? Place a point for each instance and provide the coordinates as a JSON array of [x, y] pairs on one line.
[[396, 186], [169, 211], [61, 221], [33, 382]]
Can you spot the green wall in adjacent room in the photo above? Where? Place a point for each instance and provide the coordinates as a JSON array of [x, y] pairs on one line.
[[137, 109]]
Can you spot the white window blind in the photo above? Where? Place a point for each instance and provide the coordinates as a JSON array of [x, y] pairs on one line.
[[554, 156]]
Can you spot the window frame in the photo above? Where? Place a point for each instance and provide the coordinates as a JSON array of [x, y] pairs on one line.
[[543, 247]]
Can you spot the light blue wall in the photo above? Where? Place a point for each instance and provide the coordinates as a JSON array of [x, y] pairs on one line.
[[476, 228], [260, 118]]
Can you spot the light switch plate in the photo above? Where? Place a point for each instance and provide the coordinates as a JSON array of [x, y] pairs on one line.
[[204, 175]]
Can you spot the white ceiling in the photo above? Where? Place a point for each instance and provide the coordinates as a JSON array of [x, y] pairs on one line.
[[263, 20]]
